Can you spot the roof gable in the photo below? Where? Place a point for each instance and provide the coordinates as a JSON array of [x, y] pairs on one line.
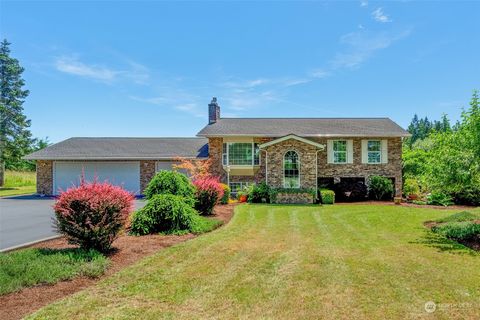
[[294, 137]]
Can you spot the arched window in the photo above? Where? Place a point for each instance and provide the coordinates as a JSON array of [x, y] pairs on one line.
[[291, 170]]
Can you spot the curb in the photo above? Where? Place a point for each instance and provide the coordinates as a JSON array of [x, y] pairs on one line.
[[23, 245]]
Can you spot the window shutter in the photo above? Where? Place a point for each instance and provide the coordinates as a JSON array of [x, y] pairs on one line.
[[349, 151], [364, 151], [330, 151], [384, 151]]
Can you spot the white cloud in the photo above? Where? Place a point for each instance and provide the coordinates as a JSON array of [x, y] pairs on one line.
[[361, 45], [191, 108], [363, 3], [319, 73], [73, 66], [380, 16]]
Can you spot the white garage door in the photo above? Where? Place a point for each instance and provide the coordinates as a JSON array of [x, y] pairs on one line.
[[125, 174]]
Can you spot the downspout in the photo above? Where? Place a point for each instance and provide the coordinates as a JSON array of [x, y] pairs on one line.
[[266, 166], [316, 171]]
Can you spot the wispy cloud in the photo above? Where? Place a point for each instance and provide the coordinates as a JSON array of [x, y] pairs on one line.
[[319, 73], [380, 16], [191, 108], [73, 66], [363, 3], [361, 45]]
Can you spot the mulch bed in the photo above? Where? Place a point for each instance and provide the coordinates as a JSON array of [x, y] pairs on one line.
[[129, 249]]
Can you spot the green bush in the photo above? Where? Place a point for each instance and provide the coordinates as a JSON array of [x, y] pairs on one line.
[[439, 199], [226, 194], [458, 230], [380, 188], [460, 217], [171, 182], [419, 202], [327, 196], [411, 187], [165, 213], [260, 193]]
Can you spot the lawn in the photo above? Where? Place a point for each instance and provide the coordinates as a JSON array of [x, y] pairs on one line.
[[17, 183], [331, 262], [29, 267]]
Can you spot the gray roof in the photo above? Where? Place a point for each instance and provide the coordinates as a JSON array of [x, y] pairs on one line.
[[304, 127], [123, 149]]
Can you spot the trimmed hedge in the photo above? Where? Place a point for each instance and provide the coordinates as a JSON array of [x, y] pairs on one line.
[[380, 188], [327, 196], [171, 182], [165, 213]]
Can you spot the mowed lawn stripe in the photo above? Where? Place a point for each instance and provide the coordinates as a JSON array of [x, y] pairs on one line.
[[303, 262]]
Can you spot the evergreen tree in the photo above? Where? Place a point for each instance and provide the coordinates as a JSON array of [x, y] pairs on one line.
[[15, 137]]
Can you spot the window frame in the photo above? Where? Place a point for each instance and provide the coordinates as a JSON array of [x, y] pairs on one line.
[[256, 154], [378, 152], [298, 169], [334, 152]]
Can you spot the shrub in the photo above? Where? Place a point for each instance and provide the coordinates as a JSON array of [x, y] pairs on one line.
[[458, 230], [92, 214], [350, 191], [171, 182], [327, 196], [260, 193], [439, 199], [411, 187], [208, 192], [460, 217], [164, 213], [226, 194], [419, 202], [380, 188]]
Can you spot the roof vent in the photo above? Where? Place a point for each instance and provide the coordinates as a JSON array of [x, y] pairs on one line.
[[213, 111]]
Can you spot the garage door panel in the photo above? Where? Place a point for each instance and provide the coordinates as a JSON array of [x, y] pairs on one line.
[[124, 174]]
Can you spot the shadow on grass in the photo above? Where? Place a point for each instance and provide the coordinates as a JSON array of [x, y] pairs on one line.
[[439, 242]]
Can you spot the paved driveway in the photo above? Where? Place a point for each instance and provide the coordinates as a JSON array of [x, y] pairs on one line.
[[25, 219]]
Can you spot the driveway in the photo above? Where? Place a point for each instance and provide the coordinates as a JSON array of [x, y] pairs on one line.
[[25, 219]]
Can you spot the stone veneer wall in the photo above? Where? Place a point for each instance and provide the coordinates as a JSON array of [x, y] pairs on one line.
[[147, 171], [45, 177], [283, 197], [306, 156]]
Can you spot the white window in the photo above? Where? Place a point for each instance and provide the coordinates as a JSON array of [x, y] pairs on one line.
[[291, 170], [241, 154], [340, 151], [374, 151]]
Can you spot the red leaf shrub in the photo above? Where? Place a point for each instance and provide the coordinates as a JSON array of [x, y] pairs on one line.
[[208, 192], [92, 214]]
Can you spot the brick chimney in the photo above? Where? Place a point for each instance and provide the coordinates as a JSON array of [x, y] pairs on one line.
[[213, 111]]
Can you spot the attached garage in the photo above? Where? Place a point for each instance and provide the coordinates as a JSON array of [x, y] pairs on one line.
[[121, 173], [127, 162]]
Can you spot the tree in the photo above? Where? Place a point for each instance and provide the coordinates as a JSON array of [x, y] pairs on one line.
[[15, 137]]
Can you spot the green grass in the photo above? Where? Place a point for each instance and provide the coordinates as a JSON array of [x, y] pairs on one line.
[[295, 262], [17, 183], [460, 217], [29, 267]]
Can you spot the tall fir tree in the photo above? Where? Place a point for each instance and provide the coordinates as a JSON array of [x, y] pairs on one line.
[[15, 136]]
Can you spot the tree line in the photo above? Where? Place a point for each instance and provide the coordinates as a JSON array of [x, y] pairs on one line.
[[16, 139], [443, 159]]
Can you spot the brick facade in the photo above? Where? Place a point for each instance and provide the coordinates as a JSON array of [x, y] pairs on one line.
[[307, 155]]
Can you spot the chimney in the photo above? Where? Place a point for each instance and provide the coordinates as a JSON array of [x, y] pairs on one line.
[[213, 111]]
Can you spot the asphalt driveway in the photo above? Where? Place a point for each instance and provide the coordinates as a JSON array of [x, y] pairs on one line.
[[25, 219]]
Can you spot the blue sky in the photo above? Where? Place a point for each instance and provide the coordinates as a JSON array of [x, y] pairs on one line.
[[150, 68]]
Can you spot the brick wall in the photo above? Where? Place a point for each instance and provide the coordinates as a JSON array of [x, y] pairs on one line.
[[147, 171]]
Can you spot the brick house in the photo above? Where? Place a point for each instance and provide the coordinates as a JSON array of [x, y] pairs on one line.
[[283, 152]]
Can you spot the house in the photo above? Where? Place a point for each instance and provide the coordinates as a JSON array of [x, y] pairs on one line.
[[283, 152]]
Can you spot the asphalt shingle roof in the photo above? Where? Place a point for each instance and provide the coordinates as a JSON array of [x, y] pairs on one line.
[[304, 127], [123, 148]]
